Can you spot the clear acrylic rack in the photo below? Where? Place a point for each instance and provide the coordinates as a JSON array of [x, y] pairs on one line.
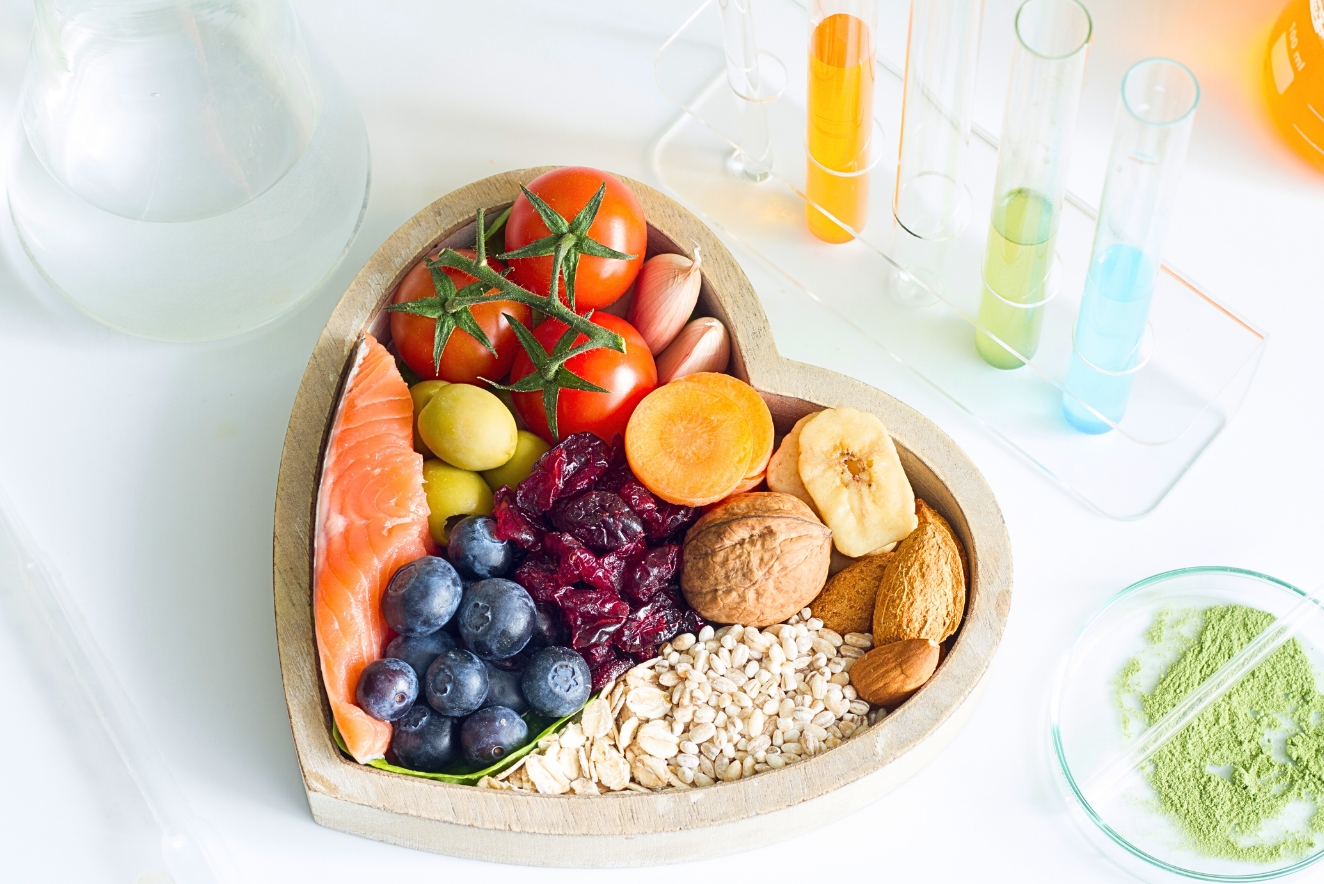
[[917, 301]]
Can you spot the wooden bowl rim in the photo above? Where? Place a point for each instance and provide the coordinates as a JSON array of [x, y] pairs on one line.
[[790, 387]]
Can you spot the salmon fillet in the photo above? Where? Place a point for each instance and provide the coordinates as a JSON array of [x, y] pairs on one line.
[[372, 517]]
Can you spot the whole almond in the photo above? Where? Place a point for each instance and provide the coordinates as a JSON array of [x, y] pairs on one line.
[[922, 593], [702, 345], [888, 675], [847, 603]]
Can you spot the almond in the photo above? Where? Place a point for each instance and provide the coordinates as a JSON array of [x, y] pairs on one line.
[[847, 603], [888, 675], [922, 593]]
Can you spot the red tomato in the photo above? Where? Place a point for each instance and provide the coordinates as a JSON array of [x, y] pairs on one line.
[[629, 376], [464, 360], [618, 225]]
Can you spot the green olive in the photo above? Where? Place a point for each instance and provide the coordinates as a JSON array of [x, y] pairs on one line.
[[528, 448], [422, 394], [452, 492], [468, 427]]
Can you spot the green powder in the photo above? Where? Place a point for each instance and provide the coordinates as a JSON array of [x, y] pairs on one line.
[[1245, 780]]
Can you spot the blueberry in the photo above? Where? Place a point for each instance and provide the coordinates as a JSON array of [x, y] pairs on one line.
[[491, 734], [387, 688], [420, 650], [456, 683], [547, 629], [557, 682], [503, 689], [475, 550], [496, 618], [512, 664], [422, 596], [426, 740]]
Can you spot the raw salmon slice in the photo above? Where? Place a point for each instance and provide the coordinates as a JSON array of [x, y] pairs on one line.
[[372, 517]]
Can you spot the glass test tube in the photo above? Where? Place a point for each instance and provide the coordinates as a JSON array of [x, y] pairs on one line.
[[1047, 68], [931, 203], [753, 159], [1154, 120], [842, 47]]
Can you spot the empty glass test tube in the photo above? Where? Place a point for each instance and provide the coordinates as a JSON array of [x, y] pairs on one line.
[[842, 47], [931, 203], [1047, 69], [1154, 119], [753, 159]]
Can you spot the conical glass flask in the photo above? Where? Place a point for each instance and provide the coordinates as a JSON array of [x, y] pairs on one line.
[[184, 169]]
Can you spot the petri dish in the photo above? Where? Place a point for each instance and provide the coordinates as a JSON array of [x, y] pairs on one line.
[[1088, 723]]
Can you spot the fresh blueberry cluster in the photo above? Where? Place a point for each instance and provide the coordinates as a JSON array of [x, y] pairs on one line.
[[472, 654]]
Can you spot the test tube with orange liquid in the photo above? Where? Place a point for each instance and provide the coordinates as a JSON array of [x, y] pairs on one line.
[[841, 81], [1294, 78]]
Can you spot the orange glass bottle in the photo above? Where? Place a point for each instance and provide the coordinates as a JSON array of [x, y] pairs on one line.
[[1294, 78], [841, 81]]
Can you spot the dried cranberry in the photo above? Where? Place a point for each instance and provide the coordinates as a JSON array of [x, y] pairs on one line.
[[599, 519], [618, 470], [640, 499], [654, 570], [669, 520], [692, 622], [597, 655], [513, 524], [592, 615], [653, 623], [610, 671], [542, 579], [569, 468]]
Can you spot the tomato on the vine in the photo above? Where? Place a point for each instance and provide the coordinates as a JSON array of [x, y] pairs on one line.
[[619, 225], [464, 360], [628, 377]]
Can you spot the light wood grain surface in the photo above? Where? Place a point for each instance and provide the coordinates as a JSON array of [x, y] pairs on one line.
[[624, 829]]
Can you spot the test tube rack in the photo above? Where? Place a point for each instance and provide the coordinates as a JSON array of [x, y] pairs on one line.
[[917, 302]]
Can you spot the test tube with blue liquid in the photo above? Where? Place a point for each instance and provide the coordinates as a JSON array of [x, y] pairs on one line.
[[1153, 128]]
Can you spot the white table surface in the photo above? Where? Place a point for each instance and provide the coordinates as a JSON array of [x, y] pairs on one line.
[[148, 470]]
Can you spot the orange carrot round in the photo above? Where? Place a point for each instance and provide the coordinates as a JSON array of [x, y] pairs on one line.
[[688, 444], [755, 409]]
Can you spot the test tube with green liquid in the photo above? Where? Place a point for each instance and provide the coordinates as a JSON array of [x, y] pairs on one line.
[[1047, 69]]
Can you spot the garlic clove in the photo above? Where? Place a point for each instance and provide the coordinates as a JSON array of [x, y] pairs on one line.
[[702, 345], [665, 294]]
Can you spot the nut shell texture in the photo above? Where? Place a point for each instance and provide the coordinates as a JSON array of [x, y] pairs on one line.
[[922, 594], [755, 560], [847, 603]]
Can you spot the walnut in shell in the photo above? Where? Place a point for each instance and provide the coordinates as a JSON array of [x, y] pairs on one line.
[[922, 594], [755, 560]]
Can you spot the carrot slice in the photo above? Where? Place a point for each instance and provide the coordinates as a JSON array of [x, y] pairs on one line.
[[688, 444], [756, 412]]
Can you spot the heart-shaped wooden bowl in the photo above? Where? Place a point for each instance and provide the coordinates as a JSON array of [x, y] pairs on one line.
[[624, 829]]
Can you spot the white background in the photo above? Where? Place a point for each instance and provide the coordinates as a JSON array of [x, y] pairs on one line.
[[148, 470]]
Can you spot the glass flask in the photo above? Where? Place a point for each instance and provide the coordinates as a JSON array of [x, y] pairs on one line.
[[1154, 119], [184, 169], [1294, 78], [1047, 70]]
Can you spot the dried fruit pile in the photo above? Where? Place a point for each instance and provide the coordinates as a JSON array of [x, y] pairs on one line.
[[603, 553]]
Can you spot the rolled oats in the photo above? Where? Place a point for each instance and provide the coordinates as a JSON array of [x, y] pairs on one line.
[[720, 706]]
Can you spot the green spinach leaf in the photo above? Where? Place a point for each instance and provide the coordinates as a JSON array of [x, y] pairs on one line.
[[540, 727]]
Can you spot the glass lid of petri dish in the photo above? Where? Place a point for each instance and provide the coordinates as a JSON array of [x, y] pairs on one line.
[[1187, 727]]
